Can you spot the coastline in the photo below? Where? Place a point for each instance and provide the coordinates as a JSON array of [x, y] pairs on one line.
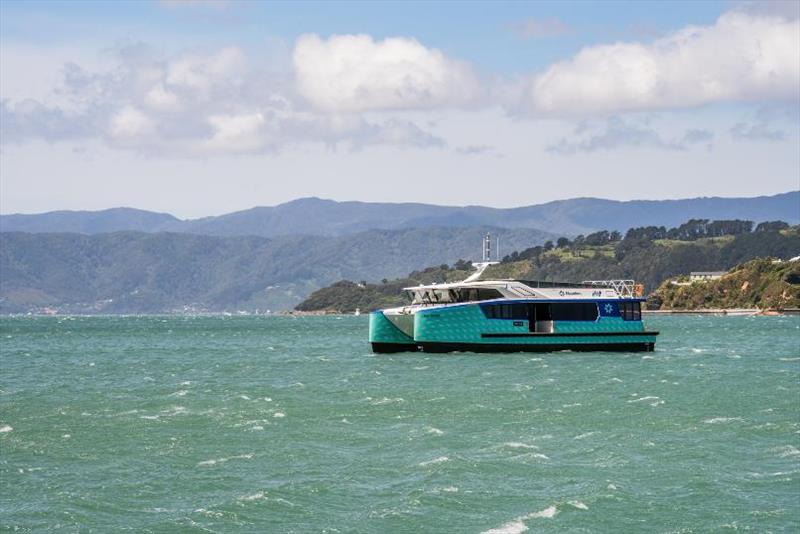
[[724, 311]]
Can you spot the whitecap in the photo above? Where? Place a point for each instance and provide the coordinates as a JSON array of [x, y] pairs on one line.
[[518, 445], [518, 525], [788, 359], [149, 417], [244, 397], [179, 393], [434, 430], [641, 399], [279, 414], [548, 513], [512, 527], [439, 460], [716, 420], [587, 434], [253, 497], [786, 451], [450, 489], [387, 400], [223, 460], [578, 504], [6, 428]]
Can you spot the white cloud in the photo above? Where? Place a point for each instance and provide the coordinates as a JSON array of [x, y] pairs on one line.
[[201, 73], [238, 133], [742, 57], [353, 73], [129, 123]]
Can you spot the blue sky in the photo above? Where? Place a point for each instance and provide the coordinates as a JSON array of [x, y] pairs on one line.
[[204, 107]]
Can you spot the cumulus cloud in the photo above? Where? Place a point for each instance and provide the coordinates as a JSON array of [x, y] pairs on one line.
[[195, 105], [616, 133], [540, 28], [354, 73], [742, 57]]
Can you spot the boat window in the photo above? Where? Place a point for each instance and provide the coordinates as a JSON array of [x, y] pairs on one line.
[[475, 294], [505, 311], [631, 311], [574, 311]]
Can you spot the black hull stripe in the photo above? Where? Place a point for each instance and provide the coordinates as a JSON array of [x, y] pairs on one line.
[[543, 347], [394, 347], [568, 334]]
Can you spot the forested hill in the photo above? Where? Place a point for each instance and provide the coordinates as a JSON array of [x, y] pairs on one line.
[[131, 272], [649, 255], [314, 216]]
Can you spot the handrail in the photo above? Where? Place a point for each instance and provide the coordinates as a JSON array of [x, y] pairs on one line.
[[624, 288]]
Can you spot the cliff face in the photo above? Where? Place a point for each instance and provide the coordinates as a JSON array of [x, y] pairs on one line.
[[759, 283]]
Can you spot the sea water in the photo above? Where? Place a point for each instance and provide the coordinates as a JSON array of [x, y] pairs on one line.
[[291, 424]]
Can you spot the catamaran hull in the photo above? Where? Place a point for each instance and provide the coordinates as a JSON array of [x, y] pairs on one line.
[[478, 328], [436, 347]]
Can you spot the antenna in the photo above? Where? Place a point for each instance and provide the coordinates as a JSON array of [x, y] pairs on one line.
[[487, 248], [497, 248]]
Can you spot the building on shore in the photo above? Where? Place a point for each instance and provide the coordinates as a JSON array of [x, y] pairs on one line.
[[705, 276]]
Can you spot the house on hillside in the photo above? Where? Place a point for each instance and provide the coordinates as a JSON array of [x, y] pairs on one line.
[[705, 276]]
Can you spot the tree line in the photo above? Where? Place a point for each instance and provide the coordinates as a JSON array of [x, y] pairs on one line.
[[691, 230]]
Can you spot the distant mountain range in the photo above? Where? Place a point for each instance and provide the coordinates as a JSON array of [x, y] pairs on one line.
[[136, 272], [319, 217]]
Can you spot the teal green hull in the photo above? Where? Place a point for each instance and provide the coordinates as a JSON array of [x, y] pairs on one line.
[[466, 328]]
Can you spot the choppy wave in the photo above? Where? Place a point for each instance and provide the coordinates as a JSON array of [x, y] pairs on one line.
[[217, 461], [717, 420], [439, 460], [517, 526]]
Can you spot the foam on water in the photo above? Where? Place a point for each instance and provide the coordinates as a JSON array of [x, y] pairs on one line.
[[434, 430], [518, 525], [717, 420], [216, 461], [518, 445], [6, 428], [642, 399], [439, 460]]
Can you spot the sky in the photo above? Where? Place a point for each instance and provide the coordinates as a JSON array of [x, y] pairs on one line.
[[203, 107]]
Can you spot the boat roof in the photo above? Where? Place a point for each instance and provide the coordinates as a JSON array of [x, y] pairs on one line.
[[506, 281]]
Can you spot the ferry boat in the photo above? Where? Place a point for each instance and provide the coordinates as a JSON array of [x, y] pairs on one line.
[[515, 316]]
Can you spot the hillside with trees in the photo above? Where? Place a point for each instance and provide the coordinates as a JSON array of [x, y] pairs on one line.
[[650, 255], [132, 272], [763, 283]]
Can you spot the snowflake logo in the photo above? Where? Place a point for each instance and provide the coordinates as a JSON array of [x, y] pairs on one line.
[[609, 308]]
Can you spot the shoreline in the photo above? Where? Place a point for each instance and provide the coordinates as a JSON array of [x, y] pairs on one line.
[[724, 311]]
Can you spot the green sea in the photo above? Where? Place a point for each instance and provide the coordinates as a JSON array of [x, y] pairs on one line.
[[287, 424]]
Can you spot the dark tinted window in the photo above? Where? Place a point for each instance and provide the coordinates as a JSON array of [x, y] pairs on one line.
[[505, 311], [630, 311], [574, 311], [556, 311], [475, 294]]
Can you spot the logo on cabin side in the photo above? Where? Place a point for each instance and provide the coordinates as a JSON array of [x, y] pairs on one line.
[[609, 308]]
